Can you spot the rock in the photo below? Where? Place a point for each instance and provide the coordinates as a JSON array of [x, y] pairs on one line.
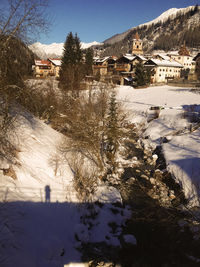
[[152, 181], [144, 176], [155, 157], [132, 180]]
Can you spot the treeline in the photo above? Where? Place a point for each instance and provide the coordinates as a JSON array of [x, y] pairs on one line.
[[191, 37]]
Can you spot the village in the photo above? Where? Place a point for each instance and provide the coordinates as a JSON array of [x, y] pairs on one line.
[[164, 67]]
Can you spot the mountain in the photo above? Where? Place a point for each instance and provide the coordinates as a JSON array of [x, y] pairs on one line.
[[165, 32], [55, 49]]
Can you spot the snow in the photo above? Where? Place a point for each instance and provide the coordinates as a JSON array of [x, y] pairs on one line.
[[108, 194], [129, 57], [130, 239], [172, 12], [182, 152], [167, 63], [43, 221], [183, 156], [56, 62], [56, 49]]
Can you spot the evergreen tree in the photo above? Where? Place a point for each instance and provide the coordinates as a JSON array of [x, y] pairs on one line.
[[89, 61], [142, 75], [71, 71], [78, 52], [113, 132]]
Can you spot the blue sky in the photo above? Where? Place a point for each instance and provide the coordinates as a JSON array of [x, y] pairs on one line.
[[97, 20]]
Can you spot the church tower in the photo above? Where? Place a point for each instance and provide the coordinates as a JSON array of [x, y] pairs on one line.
[[183, 51], [137, 45]]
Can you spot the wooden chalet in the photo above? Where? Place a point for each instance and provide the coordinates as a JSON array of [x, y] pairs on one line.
[[42, 68]]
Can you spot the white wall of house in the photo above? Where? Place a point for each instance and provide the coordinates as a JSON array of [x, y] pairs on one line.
[[162, 73], [186, 61]]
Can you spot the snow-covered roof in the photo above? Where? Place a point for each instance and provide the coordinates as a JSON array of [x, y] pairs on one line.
[[101, 60], [172, 53], [163, 56], [39, 62], [129, 79], [165, 63], [141, 57], [55, 61], [129, 57]]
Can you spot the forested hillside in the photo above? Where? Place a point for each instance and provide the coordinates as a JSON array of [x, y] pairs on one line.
[[167, 35]]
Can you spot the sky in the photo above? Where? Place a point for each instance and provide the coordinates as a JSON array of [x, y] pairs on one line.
[[97, 20]]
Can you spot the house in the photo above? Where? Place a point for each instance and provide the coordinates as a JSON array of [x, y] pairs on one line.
[[55, 66], [42, 68], [139, 59], [163, 70], [124, 63], [184, 58], [197, 65], [100, 66], [111, 65], [124, 69]]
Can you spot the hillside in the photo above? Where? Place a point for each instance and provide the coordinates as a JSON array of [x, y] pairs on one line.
[[166, 32]]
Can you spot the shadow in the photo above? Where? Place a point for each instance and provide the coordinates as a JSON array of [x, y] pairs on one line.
[[192, 112], [190, 168], [40, 234], [182, 90], [47, 193]]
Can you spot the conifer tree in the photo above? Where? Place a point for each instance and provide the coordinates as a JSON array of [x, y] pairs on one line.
[[89, 61], [113, 132], [71, 71], [142, 75]]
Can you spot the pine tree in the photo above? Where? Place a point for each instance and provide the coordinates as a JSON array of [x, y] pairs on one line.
[[71, 71], [113, 132], [89, 61], [142, 75]]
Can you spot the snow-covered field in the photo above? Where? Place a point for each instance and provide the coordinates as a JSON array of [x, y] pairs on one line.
[[182, 150]]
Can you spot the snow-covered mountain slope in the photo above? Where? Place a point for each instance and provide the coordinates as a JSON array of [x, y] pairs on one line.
[[171, 13], [54, 49]]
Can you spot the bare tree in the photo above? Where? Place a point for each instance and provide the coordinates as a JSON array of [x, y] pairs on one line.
[[22, 19]]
